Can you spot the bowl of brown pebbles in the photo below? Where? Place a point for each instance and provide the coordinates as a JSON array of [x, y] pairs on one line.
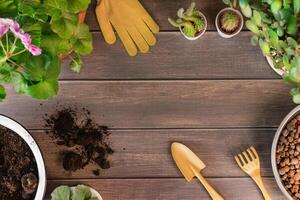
[[22, 168], [285, 155]]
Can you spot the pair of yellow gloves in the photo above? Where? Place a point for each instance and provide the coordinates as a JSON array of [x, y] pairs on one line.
[[130, 20]]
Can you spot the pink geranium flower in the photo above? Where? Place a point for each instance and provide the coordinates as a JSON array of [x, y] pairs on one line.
[[9, 24]]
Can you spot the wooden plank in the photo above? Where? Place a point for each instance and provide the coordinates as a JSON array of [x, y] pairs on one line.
[[163, 104], [160, 10], [146, 153], [174, 57], [170, 189]]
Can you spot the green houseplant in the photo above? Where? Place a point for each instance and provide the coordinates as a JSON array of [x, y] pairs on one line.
[[52, 27], [274, 24], [229, 21], [192, 23]]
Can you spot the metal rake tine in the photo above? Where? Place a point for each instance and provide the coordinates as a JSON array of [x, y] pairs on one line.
[[238, 161], [246, 156], [254, 151]]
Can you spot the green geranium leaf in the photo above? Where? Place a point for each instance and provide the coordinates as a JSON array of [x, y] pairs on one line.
[[76, 63], [2, 93], [55, 44], [60, 193], [252, 27], [76, 6], [265, 48], [44, 89], [82, 40], [40, 68], [273, 37], [64, 25], [292, 42], [81, 192], [5, 70], [19, 82], [8, 8]]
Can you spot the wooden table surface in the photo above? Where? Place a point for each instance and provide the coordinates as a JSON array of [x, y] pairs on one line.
[[215, 95]]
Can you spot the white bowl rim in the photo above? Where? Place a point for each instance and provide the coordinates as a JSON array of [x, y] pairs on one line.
[[289, 116], [221, 33], [25, 135]]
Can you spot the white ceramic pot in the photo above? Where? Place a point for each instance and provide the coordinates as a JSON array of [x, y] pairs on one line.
[[281, 127], [199, 35], [222, 33], [270, 62], [93, 191], [25, 135]]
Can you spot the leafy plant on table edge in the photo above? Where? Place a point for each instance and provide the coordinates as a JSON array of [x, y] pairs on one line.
[[79, 192], [275, 27], [34, 34]]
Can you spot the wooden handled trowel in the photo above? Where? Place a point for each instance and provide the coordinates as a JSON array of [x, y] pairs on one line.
[[190, 166]]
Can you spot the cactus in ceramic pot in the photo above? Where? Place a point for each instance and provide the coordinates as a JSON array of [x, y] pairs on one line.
[[229, 21], [191, 21]]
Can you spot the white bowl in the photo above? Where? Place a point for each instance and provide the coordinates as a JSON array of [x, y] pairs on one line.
[[198, 36], [93, 191], [25, 135], [289, 116], [223, 34]]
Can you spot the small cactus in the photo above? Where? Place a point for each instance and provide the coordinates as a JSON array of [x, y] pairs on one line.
[[230, 21], [191, 21]]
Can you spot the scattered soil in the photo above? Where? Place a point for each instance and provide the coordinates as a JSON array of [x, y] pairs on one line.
[[18, 169], [87, 141], [288, 157]]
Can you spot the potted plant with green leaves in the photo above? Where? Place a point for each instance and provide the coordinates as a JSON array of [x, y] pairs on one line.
[[275, 29], [34, 36], [192, 23], [229, 21], [74, 193]]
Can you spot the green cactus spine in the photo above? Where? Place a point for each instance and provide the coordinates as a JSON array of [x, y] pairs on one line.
[[229, 21]]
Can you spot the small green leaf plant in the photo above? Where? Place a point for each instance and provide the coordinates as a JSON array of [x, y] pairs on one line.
[[34, 36], [190, 21], [229, 20], [79, 192], [274, 24]]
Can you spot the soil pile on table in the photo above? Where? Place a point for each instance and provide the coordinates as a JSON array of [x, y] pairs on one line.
[[87, 141], [18, 169]]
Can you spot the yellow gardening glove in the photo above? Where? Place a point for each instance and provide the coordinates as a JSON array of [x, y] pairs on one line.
[[131, 21]]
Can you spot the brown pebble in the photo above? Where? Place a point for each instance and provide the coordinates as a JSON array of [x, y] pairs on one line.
[[297, 176]]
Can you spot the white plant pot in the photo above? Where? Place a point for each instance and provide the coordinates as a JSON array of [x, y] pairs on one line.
[[222, 33], [270, 62], [199, 35], [25, 135], [93, 191]]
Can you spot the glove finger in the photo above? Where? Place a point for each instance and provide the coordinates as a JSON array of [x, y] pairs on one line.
[[147, 18], [138, 39], [105, 25], [146, 33], [126, 40]]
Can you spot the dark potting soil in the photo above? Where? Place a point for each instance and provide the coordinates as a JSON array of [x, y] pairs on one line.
[[18, 169], [87, 141]]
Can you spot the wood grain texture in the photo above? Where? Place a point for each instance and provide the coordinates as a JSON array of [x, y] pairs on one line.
[[160, 10], [163, 104], [174, 57], [146, 153], [170, 189]]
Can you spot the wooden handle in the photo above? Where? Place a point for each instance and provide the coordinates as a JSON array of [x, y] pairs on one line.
[[260, 184], [212, 192]]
